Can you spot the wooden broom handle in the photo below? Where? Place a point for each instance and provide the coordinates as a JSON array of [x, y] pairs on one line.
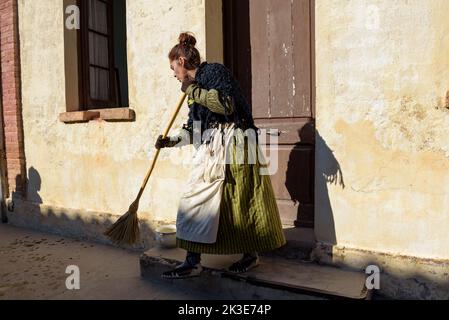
[[167, 130]]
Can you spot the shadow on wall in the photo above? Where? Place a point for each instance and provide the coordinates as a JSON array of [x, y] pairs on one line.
[[34, 186], [312, 167], [299, 177], [327, 172], [30, 212]]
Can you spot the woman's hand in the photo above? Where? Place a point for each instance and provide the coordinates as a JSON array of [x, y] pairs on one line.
[[167, 142]]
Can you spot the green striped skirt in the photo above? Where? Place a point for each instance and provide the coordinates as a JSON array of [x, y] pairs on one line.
[[249, 217]]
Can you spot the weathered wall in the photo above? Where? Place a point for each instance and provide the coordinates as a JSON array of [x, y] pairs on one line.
[[382, 75], [383, 118], [99, 166]]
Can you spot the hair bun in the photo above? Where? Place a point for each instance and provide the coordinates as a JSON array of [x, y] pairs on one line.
[[187, 39]]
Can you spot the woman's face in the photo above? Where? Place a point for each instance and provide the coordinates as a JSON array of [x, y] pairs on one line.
[[179, 71]]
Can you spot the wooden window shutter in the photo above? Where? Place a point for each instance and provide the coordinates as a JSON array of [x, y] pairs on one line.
[[97, 55]]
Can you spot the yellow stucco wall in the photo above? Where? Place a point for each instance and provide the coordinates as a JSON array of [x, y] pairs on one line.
[[382, 76], [100, 166]]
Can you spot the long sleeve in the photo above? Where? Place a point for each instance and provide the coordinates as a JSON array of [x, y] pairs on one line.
[[209, 99], [185, 137]]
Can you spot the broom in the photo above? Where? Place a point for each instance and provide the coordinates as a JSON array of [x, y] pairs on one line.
[[126, 229]]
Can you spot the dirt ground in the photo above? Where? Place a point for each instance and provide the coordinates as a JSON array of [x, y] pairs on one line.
[[33, 266]]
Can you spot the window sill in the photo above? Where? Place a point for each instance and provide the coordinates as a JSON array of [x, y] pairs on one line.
[[112, 115]]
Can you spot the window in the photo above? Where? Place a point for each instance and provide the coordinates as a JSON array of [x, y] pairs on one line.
[[102, 66], [96, 63]]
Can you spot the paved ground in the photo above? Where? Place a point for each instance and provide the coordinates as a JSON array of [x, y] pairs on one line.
[[33, 266]]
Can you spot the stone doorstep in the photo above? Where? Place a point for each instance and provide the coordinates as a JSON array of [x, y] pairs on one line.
[[300, 244], [274, 278]]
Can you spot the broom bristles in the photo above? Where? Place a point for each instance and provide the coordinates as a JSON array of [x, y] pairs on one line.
[[126, 229]]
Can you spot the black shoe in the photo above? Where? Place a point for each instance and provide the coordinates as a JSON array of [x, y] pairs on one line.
[[183, 271], [244, 265]]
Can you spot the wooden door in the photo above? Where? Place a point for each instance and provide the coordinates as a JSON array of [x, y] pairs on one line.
[[268, 48]]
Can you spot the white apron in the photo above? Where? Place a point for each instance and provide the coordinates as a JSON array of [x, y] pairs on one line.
[[199, 207]]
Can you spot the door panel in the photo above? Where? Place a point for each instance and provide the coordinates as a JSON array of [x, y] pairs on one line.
[[259, 57], [302, 58], [280, 62], [280, 92]]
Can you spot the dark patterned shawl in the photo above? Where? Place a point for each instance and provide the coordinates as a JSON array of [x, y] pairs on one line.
[[217, 76]]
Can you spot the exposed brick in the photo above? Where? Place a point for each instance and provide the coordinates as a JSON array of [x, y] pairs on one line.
[[13, 162], [7, 68], [14, 165], [11, 130], [7, 29], [9, 108], [11, 86], [14, 136], [10, 103], [12, 155], [10, 91], [13, 124], [9, 39], [11, 135], [9, 113], [15, 149], [7, 46], [8, 118]]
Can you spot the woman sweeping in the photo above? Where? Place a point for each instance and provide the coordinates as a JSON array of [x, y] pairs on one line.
[[228, 207]]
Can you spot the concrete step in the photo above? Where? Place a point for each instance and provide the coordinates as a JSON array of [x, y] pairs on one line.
[[275, 278], [300, 243]]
